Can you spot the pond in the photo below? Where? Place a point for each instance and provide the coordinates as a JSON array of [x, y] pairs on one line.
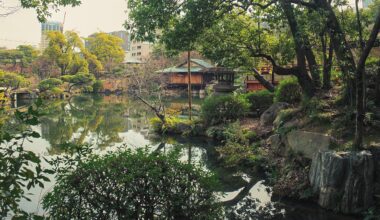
[[111, 122]]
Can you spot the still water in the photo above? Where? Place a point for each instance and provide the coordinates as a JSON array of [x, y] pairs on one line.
[[111, 122]]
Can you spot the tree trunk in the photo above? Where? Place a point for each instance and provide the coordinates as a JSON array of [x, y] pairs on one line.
[[269, 86], [360, 111], [189, 78], [327, 61], [304, 79], [313, 65], [342, 50]]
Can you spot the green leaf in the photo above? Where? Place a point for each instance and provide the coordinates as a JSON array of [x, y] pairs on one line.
[[35, 134]]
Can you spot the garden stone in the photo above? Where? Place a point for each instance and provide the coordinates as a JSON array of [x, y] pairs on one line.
[[344, 182], [274, 141], [307, 143], [267, 118]]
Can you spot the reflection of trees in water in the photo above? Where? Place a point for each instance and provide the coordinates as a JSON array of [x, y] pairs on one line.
[[243, 205], [86, 119]]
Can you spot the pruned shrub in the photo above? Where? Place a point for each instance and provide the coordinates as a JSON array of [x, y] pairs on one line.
[[231, 132], [222, 109], [260, 101], [134, 185], [173, 125], [288, 91], [49, 84]]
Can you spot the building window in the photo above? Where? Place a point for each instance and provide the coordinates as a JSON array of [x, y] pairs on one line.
[[139, 54], [138, 47], [133, 54]]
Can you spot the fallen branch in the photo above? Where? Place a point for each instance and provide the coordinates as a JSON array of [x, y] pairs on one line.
[[156, 110]]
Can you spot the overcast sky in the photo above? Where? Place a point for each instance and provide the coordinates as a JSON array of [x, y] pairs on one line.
[[91, 16]]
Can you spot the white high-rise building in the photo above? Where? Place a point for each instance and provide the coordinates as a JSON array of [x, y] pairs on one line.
[[47, 27]]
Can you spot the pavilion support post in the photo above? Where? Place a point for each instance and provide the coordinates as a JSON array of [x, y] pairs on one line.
[[189, 82]]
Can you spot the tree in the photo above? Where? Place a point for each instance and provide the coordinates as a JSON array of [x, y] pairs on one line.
[[184, 21], [107, 48], [11, 81], [83, 80], [49, 84], [66, 51], [44, 67], [233, 40], [360, 71], [10, 57], [28, 55]]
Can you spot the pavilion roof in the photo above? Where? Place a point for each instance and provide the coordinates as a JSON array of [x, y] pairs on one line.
[[182, 68]]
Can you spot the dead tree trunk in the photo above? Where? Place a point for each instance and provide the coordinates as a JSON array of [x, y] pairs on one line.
[[157, 110]]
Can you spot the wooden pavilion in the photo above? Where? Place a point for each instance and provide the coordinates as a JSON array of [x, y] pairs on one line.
[[202, 74]]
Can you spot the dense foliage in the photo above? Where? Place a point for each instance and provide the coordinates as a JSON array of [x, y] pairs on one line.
[[20, 169], [222, 109], [49, 84], [238, 148], [259, 101], [133, 185], [81, 80], [288, 91], [11, 81], [107, 48]]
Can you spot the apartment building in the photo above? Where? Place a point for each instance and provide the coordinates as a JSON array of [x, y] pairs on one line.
[[140, 50]]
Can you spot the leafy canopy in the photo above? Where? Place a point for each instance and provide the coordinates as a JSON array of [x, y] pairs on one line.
[[107, 48], [176, 23], [11, 80]]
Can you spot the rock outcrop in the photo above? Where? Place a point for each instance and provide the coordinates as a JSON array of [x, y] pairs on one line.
[[344, 182], [267, 118], [307, 143]]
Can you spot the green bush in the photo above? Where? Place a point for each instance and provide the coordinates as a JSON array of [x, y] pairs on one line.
[[97, 86], [173, 125], [49, 84], [238, 155], [222, 109], [134, 185], [231, 132], [260, 100], [288, 91]]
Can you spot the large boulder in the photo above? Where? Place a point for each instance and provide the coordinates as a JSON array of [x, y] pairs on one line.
[[267, 118], [307, 143], [344, 182]]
